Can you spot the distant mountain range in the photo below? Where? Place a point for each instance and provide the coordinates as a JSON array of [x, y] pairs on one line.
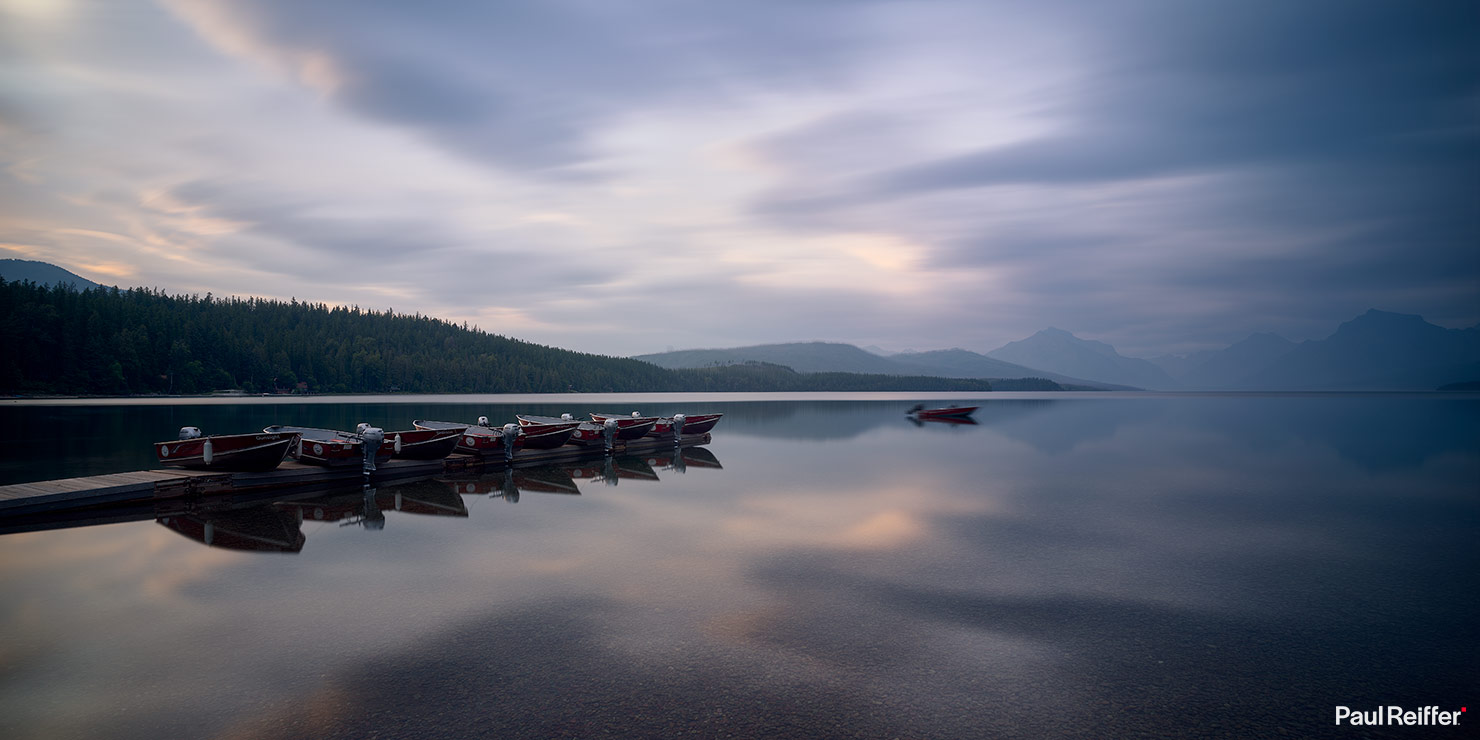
[[1378, 350], [41, 273], [817, 357], [1060, 351]]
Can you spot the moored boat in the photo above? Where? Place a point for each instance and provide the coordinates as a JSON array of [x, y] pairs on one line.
[[229, 452], [481, 439], [424, 444], [692, 424], [628, 427], [546, 432], [588, 433], [331, 447]]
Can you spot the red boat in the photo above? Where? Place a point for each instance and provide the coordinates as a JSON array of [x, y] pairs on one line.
[[424, 444], [628, 427], [546, 432], [588, 433], [234, 452], [478, 439], [332, 448], [950, 412], [692, 424]]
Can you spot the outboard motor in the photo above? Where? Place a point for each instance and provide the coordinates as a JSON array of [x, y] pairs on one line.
[[511, 433], [482, 421], [636, 415], [567, 417], [609, 434], [370, 439], [190, 433], [678, 420]]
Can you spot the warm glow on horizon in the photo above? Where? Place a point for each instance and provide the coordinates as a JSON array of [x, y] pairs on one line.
[[925, 175]]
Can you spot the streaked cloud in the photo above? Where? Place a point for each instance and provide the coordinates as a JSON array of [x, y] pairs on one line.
[[622, 178]]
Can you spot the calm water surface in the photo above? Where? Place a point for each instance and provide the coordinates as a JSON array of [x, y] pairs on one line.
[[1071, 566]]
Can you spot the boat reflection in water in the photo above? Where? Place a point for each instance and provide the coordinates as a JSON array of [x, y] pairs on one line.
[[963, 421], [274, 524], [563, 478], [258, 529]]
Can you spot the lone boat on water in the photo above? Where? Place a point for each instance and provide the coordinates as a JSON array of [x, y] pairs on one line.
[[950, 412], [330, 447], [229, 452]]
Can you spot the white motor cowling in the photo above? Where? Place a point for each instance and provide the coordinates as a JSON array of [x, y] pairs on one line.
[[635, 415], [609, 434], [370, 439], [567, 417], [190, 433], [482, 421]]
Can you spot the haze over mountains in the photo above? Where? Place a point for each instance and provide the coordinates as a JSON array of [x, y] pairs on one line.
[[1378, 350], [814, 357], [42, 273]]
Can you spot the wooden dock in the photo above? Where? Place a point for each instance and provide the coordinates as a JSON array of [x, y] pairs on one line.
[[98, 490]]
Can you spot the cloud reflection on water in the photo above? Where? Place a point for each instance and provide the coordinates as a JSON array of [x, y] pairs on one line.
[[1067, 569]]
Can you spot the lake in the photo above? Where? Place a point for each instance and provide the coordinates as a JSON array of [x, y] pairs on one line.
[[1071, 566]]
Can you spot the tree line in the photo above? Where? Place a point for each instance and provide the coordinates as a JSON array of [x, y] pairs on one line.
[[110, 341]]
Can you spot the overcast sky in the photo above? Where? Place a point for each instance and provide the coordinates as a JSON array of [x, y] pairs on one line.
[[628, 177]]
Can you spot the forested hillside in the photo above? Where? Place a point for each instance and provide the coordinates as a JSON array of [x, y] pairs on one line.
[[108, 341]]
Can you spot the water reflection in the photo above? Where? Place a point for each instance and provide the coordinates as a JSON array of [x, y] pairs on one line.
[[960, 421], [109, 439], [260, 529], [1151, 567], [271, 522]]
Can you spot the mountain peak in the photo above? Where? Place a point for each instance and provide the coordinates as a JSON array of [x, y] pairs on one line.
[[1376, 322], [1061, 352], [42, 273], [1388, 316]]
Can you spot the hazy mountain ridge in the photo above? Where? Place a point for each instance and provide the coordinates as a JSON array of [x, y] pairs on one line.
[[837, 357], [1230, 366], [803, 357], [1378, 350], [1061, 352], [132, 342], [42, 273]]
